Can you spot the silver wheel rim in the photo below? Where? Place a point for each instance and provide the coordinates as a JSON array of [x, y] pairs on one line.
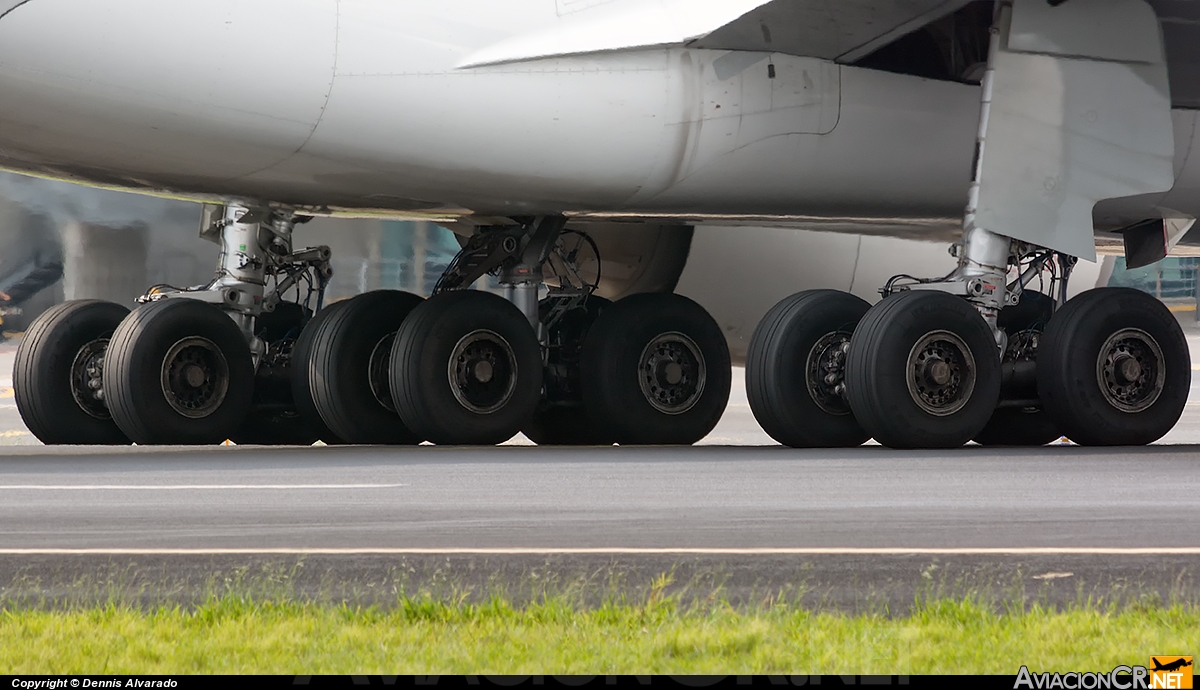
[[672, 373], [1131, 370], [195, 377], [87, 379], [941, 373], [825, 373], [379, 372], [483, 372]]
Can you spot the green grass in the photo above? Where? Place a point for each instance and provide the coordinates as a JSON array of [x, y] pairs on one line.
[[422, 636]]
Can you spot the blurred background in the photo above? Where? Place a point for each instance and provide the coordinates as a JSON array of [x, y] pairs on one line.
[[60, 241]]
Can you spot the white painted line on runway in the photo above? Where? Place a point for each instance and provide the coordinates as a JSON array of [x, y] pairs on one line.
[[834, 551], [193, 487]]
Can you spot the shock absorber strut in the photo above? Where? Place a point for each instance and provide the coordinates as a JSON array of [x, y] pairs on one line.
[[256, 249]]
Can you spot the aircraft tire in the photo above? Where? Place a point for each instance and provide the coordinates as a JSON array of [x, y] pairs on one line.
[[348, 372], [795, 347], [302, 390], [50, 375], [275, 428], [466, 370], [566, 426], [178, 372], [1013, 427], [923, 371], [656, 371], [1114, 368]]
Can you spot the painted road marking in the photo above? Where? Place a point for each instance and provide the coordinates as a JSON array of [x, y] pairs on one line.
[[1000, 551], [192, 487]]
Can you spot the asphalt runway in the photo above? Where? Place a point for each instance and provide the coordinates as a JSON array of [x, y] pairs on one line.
[[861, 528], [723, 500]]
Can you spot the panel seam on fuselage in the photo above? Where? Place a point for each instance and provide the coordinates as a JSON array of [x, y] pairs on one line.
[[14, 7], [337, 37]]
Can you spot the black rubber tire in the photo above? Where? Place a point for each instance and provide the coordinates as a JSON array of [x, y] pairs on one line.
[[777, 364], [877, 368], [133, 373], [612, 353], [42, 374], [270, 428], [421, 386], [302, 367], [1068, 383], [339, 376], [566, 426], [1014, 427]]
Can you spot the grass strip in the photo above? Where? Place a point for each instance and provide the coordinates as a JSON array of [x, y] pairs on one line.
[[238, 635]]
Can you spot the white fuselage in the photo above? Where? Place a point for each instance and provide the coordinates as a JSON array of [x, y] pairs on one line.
[[365, 105]]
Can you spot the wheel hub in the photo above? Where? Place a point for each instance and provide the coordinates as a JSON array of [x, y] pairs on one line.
[[1131, 370], [672, 373], [941, 373], [87, 379], [825, 373], [195, 377], [483, 372]]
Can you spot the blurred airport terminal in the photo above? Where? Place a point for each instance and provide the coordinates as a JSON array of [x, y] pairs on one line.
[[60, 241]]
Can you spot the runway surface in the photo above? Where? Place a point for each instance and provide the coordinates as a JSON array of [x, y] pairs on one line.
[[1064, 521], [725, 500]]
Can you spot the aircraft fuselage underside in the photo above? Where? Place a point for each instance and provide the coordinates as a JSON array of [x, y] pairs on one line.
[[365, 106]]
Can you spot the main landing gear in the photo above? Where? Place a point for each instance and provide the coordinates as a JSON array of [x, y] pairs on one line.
[[979, 354], [923, 369], [253, 357]]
